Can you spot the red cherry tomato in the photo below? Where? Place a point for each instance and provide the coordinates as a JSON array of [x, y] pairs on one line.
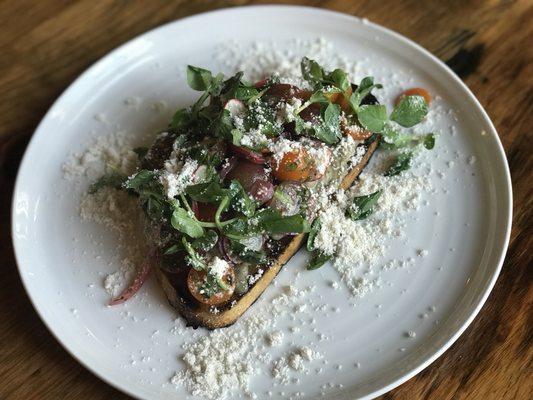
[[195, 279]]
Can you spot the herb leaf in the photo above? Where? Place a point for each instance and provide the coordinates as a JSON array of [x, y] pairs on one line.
[[208, 192], [311, 71], [193, 258], [141, 178], [402, 163], [172, 249], [181, 119], [239, 228], [240, 201], [365, 87], [329, 131], [257, 257], [198, 78], [339, 79], [318, 260], [372, 117], [272, 221], [429, 141], [183, 222], [315, 228], [112, 179], [410, 111], [206, 242], [362, 206]]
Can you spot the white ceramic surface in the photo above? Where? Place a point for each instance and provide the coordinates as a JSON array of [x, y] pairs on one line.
[[466, 241]]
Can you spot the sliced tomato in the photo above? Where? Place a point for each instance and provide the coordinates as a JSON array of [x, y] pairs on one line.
[[295, 165], [355, 131], [195, 279], [414, 92], [341, 98]]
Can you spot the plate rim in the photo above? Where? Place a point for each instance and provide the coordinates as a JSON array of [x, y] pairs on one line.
[[330, 13]]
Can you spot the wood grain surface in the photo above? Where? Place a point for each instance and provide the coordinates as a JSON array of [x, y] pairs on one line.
[[45, 44]]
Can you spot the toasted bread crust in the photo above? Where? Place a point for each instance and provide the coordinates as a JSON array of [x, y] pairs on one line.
[[201, 316]]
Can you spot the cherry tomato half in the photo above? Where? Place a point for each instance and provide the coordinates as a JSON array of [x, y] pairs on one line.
[[295, 165], [195, 279]]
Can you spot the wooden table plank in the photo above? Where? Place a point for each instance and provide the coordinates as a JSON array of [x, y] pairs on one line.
[[46, 44]]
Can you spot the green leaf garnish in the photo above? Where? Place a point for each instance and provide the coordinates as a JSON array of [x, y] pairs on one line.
[[311, 71], [208, 192], [364, 89], [181, 119], [429, 141], [182, 221], [248, 255], [272, 221], [315, 228], [206, 242], [240, 200], [372, 117], [112, 179], [410, 111], [142, 178], [318, 259], [193, 258], [362, 206], [329, 131], [198, 78], [402, 163], [172, 249]]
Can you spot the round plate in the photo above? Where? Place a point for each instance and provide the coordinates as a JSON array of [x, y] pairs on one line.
[[464, 228]]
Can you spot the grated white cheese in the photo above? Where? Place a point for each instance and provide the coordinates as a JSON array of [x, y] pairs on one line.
[[218, 267], [178, 176], [216, 364]]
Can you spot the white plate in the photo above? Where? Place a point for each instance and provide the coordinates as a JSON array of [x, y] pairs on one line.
[[466, 241]]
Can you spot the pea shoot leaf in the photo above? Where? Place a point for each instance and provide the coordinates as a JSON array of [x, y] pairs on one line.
[[362, 206], [193, 258], [410, 111], [272, 221], [185, 223], [315, 228], [317, 260], [401, 163], [372, 117]]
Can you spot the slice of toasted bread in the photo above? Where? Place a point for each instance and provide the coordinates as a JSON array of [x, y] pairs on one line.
[[200, 315]]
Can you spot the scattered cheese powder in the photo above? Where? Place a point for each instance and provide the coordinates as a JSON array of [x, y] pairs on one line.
[[218, 363], [177, 177], [218, 267]]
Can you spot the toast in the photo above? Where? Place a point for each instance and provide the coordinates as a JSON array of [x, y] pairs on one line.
[[197, 314]]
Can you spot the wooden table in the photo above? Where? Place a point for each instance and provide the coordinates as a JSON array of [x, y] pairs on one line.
[[44, 45]]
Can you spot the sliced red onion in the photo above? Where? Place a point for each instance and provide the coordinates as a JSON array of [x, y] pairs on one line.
[[261, 83], [227, 167], [224, 249], [235, 107], [195, 209], [254, 243], [262, 190], [247, 154], [142, 274], [286, 199]]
